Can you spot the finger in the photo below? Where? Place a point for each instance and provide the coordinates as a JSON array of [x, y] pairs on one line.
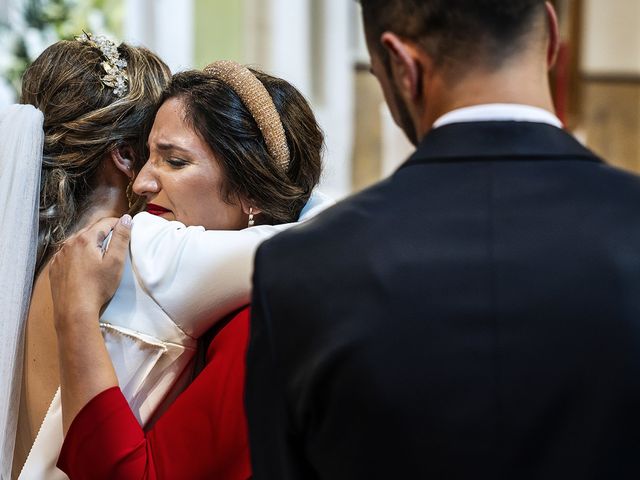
[[102, 226], [98, 233], [119, 244], [93, 234]]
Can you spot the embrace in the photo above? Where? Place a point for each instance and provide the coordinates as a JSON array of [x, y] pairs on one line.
[[223, 158], [180, 301]]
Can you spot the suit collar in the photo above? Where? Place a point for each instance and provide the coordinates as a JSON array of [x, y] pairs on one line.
[[498, 112], [498, 140]]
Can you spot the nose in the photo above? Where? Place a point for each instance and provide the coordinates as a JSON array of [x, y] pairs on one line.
[[147, 184]]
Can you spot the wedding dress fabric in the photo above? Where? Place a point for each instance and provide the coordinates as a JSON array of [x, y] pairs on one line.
[[177, 282], [21, 141]]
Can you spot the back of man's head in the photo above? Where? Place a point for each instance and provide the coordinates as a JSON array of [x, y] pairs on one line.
[[455, 32]]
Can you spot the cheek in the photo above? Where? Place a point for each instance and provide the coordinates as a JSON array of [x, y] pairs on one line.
[[214, 213], [195, 195], [198, 200]]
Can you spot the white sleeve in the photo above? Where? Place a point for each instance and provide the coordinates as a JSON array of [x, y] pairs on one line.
[[196, 276]]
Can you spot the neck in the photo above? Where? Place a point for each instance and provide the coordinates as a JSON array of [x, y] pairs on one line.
[[511, 84], [105, 201]]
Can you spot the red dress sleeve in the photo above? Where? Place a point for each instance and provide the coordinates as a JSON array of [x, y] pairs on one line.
[[202, 435]]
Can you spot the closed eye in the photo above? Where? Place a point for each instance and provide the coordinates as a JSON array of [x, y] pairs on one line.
[[177, 162]]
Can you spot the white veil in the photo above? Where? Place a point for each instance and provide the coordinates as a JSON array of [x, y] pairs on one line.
[[21, 142]]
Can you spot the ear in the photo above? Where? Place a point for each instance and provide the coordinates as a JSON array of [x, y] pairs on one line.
[[247, 204], [554, 36], [122, 157], [406, 64]]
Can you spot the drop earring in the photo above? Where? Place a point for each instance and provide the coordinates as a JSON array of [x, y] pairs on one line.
[[251, 221], [129, 192]]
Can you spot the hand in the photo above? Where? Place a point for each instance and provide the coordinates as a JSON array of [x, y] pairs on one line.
[[82, 279]]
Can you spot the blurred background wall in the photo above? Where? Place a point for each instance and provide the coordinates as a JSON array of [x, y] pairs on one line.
[[318, 46], [609, 79]]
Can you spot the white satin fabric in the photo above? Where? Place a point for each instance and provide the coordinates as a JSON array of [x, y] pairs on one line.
[[21, 140], [178, 281]]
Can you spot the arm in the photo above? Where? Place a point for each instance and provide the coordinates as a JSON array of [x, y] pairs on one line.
[[199, 275], [202, 435], [82, 280]]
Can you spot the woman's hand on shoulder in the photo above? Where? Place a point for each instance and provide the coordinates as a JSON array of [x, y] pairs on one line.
[[83, 276]]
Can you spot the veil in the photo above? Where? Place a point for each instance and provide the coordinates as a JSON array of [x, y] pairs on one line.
[[21, 143]]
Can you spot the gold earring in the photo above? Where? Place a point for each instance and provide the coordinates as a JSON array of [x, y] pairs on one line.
[[251, 221], [129, 193]]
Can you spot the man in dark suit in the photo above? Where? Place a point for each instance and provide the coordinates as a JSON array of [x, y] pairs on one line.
[[476, 315]]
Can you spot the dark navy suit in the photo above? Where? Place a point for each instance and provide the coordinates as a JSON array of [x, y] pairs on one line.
[[477, 315]]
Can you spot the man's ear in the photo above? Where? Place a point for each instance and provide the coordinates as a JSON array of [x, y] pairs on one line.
[[554, 36], [405, 62], [122, 157]]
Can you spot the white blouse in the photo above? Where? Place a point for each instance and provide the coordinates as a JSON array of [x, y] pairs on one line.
[[178, 281]]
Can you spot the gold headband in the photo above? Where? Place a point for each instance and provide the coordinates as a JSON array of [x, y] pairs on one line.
[[256, 98]]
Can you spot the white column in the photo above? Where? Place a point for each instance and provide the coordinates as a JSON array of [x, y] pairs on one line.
[[164, 27], [138, 22], [278, 39], [174, 33], [291, 42], [307, 42], [334, 103]]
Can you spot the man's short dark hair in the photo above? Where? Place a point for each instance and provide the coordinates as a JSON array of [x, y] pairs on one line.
[[454, 31]]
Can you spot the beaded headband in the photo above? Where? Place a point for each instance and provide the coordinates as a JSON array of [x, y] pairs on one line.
[[256, 98], [114, 66]]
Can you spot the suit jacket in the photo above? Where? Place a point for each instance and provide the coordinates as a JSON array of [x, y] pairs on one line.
[[476, 315]]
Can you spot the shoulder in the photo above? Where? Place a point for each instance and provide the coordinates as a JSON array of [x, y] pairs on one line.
[[335, 223], [619, 180], [321, 244]]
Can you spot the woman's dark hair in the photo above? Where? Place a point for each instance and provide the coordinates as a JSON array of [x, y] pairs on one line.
[[216, 113], [83, 121]]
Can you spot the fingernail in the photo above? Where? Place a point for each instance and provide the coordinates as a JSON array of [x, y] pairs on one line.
[[126, 220]]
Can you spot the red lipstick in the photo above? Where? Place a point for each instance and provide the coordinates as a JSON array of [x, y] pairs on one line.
[[154, 209]]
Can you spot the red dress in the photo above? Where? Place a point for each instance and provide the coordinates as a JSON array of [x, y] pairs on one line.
[[202, 435]]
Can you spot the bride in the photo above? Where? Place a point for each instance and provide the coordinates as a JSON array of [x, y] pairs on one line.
[[61, 167], [179, 280]]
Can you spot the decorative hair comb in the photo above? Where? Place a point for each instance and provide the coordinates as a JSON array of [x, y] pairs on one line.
[[114, 66]]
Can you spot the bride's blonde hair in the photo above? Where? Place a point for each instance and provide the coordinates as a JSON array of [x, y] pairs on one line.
[[83, 121]]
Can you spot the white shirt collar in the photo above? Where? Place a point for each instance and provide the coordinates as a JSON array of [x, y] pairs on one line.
[[499, 112]]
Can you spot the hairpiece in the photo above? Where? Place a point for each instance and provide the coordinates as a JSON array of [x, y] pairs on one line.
[[114, 66], [256, 98]]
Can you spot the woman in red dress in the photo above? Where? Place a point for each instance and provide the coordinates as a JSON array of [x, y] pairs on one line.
[[203, 434]]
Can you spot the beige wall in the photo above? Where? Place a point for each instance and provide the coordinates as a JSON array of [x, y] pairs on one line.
[[610, 88], [611, 37], [611, 112]]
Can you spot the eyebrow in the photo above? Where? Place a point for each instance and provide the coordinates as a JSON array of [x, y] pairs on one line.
[[169, 146]]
